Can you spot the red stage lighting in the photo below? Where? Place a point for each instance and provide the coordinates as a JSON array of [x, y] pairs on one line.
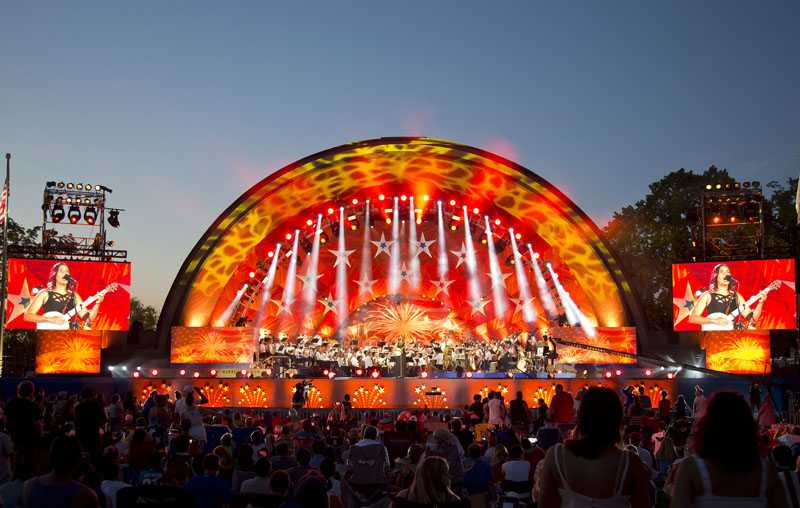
[[325, 372], [154, 372], [375, 374], [648, 372], [330, 211], [388, 220], [426, 197], [309, 222], [608, 373], [497, 222], [355, 201], [424, 374], [469, 373], [196, 374], [716, 220], [403, 197], [270, 254], [252, 274], [213, 372], [359, 372], [182, 372], [268, 371], [517, 236], [244, 372], [733, 220], [331, 375], [381, 197], [288, 236], [136, 373], [476, 211], [618, 372], [452, 202], [670, 375]]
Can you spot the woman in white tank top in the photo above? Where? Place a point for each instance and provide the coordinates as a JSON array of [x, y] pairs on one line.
[[726, 469], [591, 471]]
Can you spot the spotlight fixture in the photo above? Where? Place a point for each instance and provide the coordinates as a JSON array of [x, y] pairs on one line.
[[79, 186], [60, 185], [90, 215], [196, 374], [70, 185], [153, 372], [708, 186], [323, 239], [424, 374], [74, 214], [113, 218], [57, 214], [354, 225], [375, 374], [510, 260], [381, 197]]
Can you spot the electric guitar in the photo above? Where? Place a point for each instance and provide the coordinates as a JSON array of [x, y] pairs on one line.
[[67, 322], [733, 322]]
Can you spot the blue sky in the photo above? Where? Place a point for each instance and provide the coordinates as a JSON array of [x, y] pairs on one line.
[[181, 106]]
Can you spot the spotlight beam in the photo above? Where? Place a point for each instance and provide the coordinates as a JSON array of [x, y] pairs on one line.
[[574, 314], [528, 312], [266, 289], [341, 278], [394, 262], [310, 279], [499, 296], [473, 283], [291, 274], [226, 314], [412, 245], [544, 293], [365, 274], [441, 259]]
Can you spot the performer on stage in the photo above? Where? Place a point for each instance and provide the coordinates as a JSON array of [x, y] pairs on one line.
[[722, 299], [59, 299]]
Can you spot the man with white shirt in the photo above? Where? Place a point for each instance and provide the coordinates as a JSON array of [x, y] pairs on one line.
[[792, 438], [259, 484]]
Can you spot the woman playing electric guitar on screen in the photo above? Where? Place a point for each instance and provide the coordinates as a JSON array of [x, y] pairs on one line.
[[723, 304], [60, 303]]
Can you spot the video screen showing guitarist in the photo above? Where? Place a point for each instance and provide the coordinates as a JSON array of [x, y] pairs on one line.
[[723, 307], [59, 306]]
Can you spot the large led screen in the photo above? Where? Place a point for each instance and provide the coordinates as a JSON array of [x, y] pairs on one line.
[[68, 352], [212, 345], [47, 294], [734, 295]]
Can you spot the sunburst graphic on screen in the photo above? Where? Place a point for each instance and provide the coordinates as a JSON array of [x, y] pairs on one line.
[[432, 398], [545, 393], [369, 397], [217, 395], [741, 355], [252, 397], [162, 389], [500, 388], [403, 321], [74, 354]]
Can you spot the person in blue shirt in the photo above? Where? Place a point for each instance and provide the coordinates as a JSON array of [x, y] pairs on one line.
[[208, 489]]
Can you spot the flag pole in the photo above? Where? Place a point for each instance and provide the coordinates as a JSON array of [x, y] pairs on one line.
[[4, 289]]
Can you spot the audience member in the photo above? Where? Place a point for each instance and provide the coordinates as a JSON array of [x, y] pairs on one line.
[[726, 469], [590, 470]]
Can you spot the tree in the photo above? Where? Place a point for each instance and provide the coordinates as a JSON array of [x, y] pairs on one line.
[[144, 314], [657, 231]]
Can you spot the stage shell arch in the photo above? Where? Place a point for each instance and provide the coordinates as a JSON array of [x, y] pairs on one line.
[[218, 266]]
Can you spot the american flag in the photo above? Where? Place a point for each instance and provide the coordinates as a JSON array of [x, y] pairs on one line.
[[4, 202]]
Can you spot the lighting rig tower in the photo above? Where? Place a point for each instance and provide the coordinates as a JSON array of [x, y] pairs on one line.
[[732, 216], [74, 217]]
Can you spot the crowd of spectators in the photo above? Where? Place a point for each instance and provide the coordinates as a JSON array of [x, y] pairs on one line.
[[594, 448]]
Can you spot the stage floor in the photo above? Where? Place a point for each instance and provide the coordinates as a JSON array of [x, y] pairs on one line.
[[381, 393]]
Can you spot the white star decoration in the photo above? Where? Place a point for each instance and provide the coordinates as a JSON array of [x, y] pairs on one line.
[[478, 306], [404, 273], [461, 255], [441, 286], [283, 306], [20, 301], [339, 254], [329, 303], [424, 245], [519, 303], [308, 278], [383, 245], [499, 279], [365, 285]]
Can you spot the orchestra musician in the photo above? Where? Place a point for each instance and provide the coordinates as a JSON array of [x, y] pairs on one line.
[[722, 299], [60, 296]]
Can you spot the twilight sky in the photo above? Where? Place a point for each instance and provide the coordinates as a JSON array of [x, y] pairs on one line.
[[181, 106]]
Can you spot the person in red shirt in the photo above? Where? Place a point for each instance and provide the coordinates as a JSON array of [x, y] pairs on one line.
[[664, 406], [562, 407]]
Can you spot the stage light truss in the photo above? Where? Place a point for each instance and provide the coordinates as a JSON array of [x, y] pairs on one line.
[[732, 220], [68, 253]]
